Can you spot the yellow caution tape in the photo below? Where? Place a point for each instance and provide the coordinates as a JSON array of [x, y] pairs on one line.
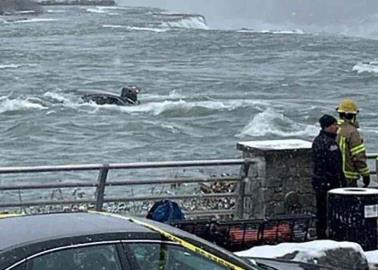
[[180, 241]]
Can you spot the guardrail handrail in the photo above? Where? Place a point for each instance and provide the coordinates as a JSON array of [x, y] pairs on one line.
[[115, 183], [135, 165], [102, 182]]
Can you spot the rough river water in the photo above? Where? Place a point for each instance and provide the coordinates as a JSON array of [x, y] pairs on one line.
[[204, 88]]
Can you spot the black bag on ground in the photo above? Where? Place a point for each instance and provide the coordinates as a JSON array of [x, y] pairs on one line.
[[165, 211]]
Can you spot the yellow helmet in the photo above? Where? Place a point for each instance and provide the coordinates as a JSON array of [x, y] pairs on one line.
[[347, 106]]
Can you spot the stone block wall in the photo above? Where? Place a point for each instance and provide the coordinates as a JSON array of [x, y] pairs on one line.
[[279, 181]]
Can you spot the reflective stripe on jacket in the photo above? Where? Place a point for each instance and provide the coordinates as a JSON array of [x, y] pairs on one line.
[[353, 151]]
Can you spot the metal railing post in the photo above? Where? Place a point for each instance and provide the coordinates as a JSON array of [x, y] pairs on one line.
[[243, 176], [100, 189]]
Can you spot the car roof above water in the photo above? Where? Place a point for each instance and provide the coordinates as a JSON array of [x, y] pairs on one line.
[[22, 230]]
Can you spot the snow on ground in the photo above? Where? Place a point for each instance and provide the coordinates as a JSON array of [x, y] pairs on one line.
[[372, 257], [308, 251]]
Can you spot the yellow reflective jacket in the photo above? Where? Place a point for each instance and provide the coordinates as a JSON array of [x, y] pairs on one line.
[[353, 150]]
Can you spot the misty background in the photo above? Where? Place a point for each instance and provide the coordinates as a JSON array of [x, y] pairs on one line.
[[350, 17]]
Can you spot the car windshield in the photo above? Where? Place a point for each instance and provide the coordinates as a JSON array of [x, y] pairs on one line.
[[99, 257]]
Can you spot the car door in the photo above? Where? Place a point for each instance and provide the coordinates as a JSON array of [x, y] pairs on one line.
[[96, 256], [163, 255]]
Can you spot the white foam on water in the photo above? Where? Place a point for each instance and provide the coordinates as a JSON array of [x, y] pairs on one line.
[[113, 26], [272, 122], [55, 11], [368, 67], [36, 20], [286, 32], [195, 22], [173, 95], [101, 10], [9, 66], [25, 12], [8, 105], [181, 106], [95, 10], [58, 97], [135, 28], [169, 12], [157, 30], [117, 7], [172, 128], [15, 66], [229, 105]]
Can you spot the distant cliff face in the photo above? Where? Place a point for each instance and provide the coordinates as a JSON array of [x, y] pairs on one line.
[[11, 7]]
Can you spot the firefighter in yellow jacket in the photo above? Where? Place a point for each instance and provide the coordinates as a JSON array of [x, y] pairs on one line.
[[351, 145]]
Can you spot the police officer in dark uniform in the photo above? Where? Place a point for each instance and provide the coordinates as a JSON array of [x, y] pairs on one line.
[[327, 169]]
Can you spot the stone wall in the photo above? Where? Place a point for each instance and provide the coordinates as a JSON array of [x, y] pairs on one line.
[[279, 181]]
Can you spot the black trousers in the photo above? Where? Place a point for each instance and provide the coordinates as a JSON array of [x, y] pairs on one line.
[[351, 182], [321, 213]]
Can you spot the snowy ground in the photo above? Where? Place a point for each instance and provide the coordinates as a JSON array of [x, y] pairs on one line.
[[372, 257], [308, 251]]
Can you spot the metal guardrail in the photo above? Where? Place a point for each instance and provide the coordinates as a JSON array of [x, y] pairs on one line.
[[102, 182]]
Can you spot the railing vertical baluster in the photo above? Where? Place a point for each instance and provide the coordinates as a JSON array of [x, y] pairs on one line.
[[242, 184], [100, 189]]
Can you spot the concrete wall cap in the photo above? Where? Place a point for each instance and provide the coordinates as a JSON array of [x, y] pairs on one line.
[[289, 144]]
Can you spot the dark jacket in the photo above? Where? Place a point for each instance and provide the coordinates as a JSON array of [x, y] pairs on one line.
[[327, 163]]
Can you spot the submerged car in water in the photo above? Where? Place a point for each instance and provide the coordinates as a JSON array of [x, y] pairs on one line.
[[102, 241], [129, 96]]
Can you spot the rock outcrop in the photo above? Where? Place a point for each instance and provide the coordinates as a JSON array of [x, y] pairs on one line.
[[336, 255], [14, 7], [77, 2]]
